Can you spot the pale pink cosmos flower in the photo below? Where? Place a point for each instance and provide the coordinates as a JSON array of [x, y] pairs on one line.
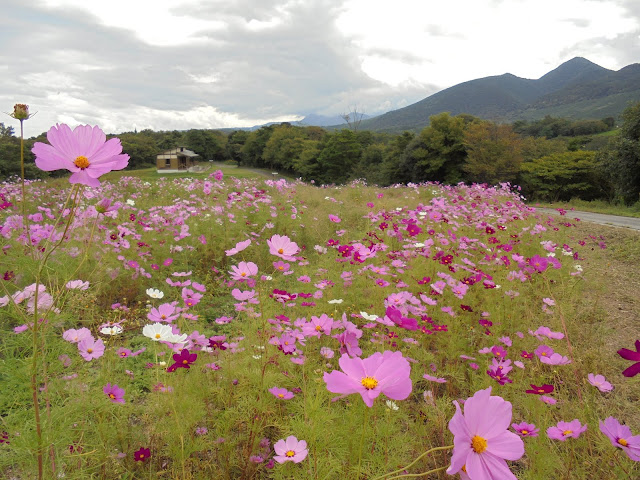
[[240, 246], [431, 378], [290, 450], [243, 270], [386, 373], [75, 336], [84, 151], [564, 430], [282, 246], [77, 285], [281, 393], [482, 441], [600, 382], [91, 348], [334, 218]]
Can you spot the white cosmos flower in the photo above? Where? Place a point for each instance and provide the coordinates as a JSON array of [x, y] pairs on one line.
[[113, 330], [366, 316], [173, 338], [337, 300], [391, 405], [157, 332], [155, 293], [131, 202]]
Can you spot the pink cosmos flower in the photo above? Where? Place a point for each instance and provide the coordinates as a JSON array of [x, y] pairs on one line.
[[386, 373], [431, 378], [481, 440], [525, 429], [83, 151], [620, 436], [281, 246], [75, 336], [281, 393], [114, 393], [291, 449], [334, 218], [564, 430], [240, 246], [600, 382], [243, 271], [164, 313], [91, 348]]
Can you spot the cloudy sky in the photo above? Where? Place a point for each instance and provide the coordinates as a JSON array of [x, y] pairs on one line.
[[180, 64]]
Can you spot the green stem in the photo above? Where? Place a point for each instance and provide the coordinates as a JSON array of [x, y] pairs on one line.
[[436, 449], [25, 220], [364, 425], [423, 474]]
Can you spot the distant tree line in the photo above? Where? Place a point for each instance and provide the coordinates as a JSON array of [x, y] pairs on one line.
[[551, 159]]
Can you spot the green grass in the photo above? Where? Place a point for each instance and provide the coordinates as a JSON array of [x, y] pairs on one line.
[[151, 174]]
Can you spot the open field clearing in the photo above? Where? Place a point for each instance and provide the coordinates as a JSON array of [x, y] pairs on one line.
[[252, 328]]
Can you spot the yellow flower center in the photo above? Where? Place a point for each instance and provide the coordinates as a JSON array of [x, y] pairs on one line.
[[369, 383], [112, 396], [142, 456], [478, 444], [243, 274], [81, 162], [158, 335], [184, 362], [524, 432], [89, 350], [567, 432], [464, 468], [163, 317], [280, 251], [318, 328], [290, 453], [281, 395], [623, 442]]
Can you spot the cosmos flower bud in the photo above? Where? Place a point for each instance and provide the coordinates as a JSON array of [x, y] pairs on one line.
[[20, 111]]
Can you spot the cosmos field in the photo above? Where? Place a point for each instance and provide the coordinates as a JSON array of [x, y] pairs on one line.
[[259, 328]]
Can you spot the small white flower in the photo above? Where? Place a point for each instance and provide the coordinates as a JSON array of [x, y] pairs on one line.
[[113, 330], [268, 277], [551, 254], [131, 202], [399, 209], [391, 405], [155, 293], [256, 357], [418, 245], [366, 316], [578, 267], [337, 300]]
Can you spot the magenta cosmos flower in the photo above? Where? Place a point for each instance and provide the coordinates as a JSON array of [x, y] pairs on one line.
[[114, 393], [481, 438], [386, 373], [620, 436], [627, 354], [282, 246], [290, 450], [84, 151], [564, 430]]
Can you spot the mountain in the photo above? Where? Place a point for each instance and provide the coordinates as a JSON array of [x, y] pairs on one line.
[[577, 89]]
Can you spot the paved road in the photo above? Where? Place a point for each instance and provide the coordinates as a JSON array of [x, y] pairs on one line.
[[599, 218]]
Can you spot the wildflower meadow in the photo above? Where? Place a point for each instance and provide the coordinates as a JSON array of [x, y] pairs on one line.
[[225, 328]]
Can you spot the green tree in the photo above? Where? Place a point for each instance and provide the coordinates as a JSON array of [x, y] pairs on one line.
[[340, 154], [494, 153], [285, 145], [621, 161], [254, 146], [235, 142], [438, 153], [563, 176]]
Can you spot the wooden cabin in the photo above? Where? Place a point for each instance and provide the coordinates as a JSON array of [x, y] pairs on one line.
[[178, 159]]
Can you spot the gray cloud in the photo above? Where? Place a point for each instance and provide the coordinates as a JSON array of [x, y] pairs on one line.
[[74, 69]]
